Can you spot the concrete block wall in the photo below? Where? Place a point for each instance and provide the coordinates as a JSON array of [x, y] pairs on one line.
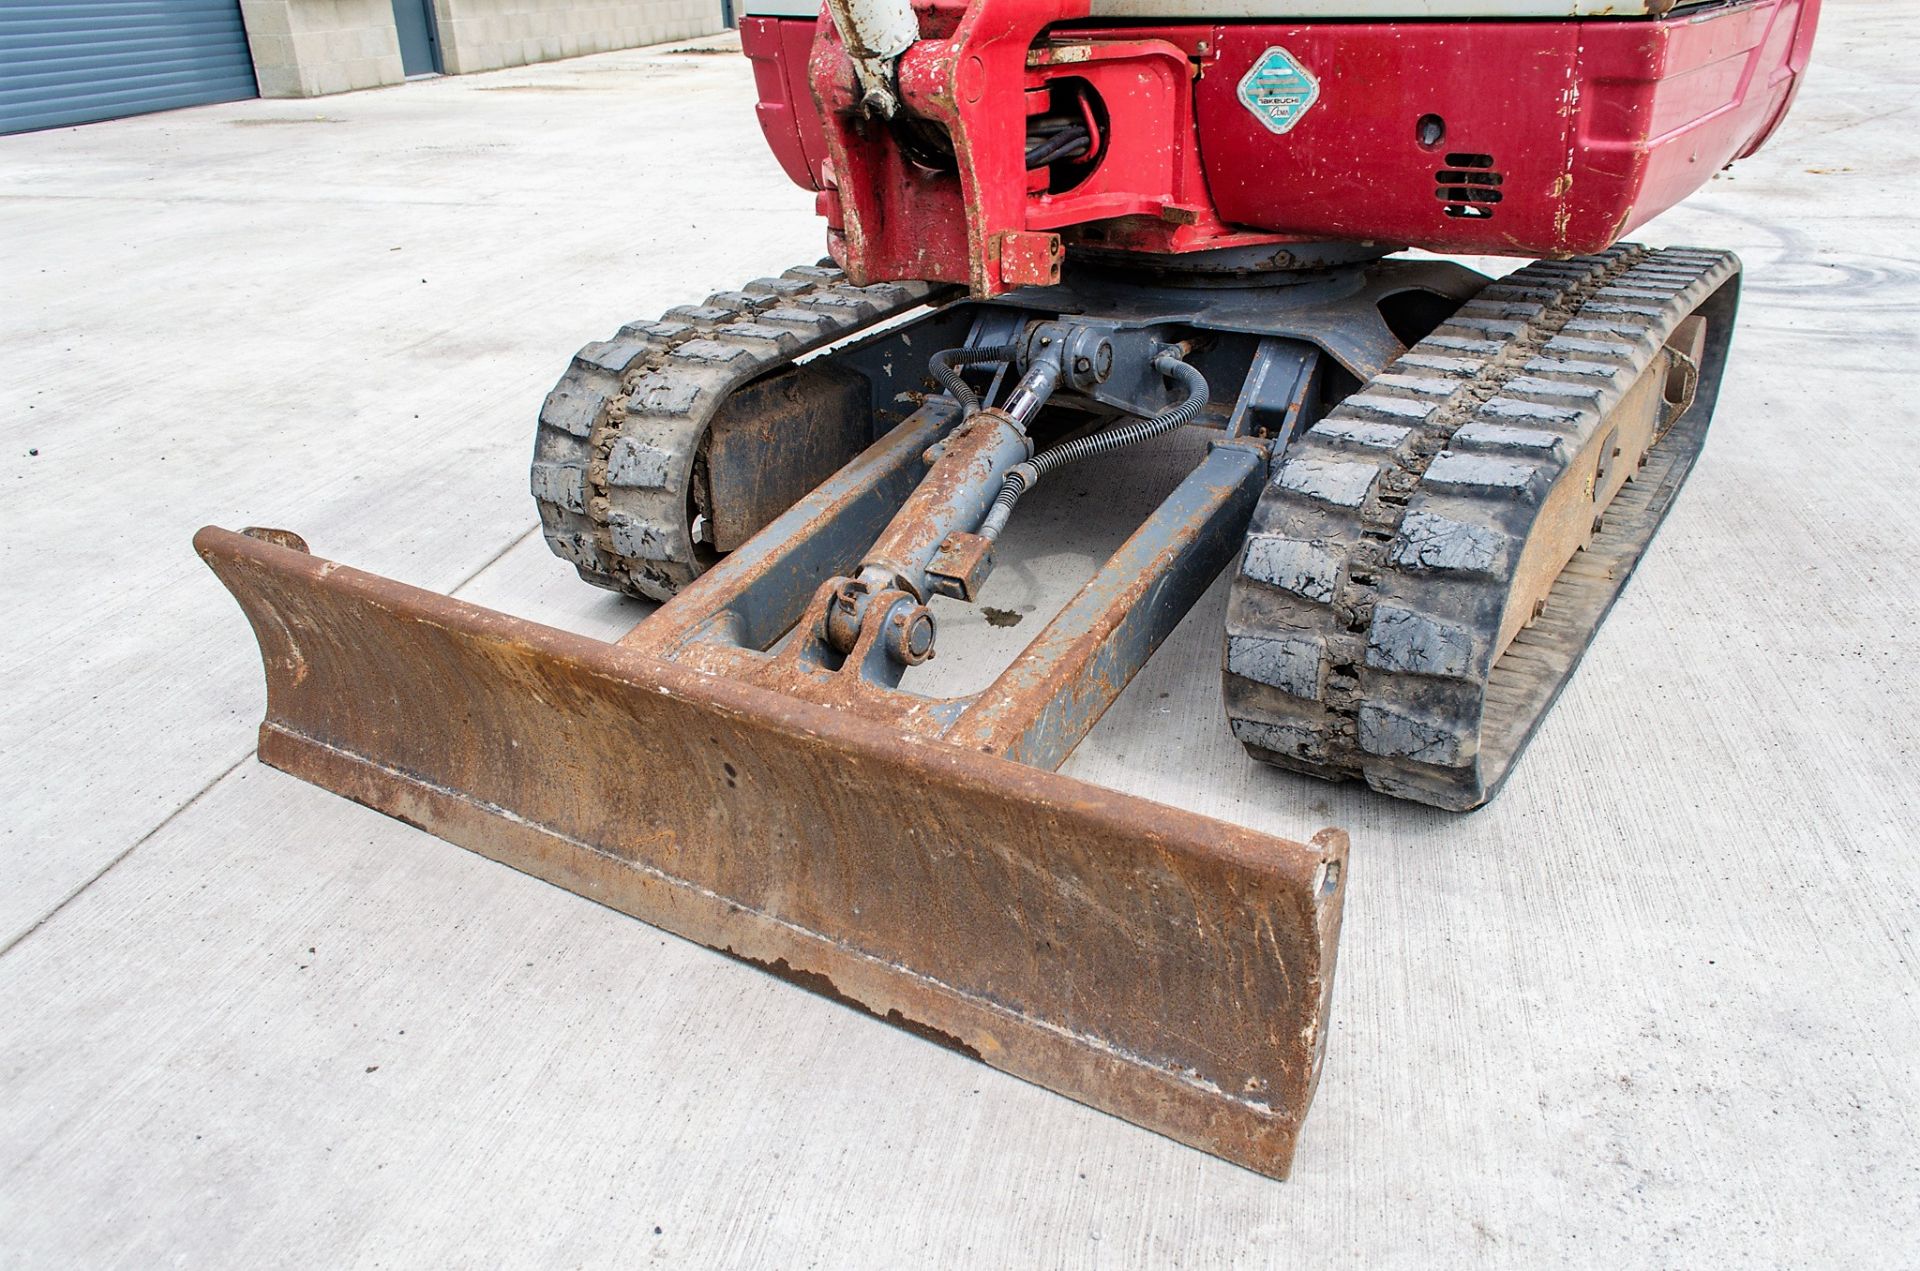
[[483, 35], [308, 48]]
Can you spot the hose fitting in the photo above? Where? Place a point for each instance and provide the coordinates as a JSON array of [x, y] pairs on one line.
[[1024, 476]]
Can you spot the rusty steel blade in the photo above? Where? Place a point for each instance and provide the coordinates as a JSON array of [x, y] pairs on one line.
[[1165, 967]]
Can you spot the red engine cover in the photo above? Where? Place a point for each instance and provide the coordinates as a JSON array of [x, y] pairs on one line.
[[1533, 138], [1555, 137]]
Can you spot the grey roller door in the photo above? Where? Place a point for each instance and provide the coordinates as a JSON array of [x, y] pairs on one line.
[[81, 60]]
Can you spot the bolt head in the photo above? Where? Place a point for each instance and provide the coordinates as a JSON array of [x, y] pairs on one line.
[[920, 634], [910, 634]]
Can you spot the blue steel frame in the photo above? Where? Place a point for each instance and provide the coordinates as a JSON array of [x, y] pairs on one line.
[[734, 620], [762, 614]]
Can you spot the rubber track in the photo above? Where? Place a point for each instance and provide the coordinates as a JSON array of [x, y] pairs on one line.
[[1375, 578], [613, 458]]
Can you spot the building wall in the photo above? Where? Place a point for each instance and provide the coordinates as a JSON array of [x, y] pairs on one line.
[[482, 35], [306, 48]]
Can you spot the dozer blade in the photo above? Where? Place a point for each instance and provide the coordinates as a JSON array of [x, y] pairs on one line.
[[1162, 966]]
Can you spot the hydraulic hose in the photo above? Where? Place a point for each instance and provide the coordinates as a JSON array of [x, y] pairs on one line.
[[946, 365], [1068, 143], [1024, 476]]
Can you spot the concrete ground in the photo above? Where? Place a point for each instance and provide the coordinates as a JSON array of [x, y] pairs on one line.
[[1656, 1007]]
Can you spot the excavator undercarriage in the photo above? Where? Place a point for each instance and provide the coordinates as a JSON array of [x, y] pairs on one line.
[[1427, 488]]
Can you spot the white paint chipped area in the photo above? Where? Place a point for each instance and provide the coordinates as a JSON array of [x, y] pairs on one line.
[[1655, 1008]]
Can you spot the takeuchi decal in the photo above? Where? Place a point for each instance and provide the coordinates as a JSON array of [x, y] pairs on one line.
[[1278, 90]]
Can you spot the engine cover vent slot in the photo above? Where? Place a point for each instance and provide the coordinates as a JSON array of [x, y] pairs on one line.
[[1468, 185]]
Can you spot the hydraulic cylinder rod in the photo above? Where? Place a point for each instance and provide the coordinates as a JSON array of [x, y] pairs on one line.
[[971, 466], [876, 33]]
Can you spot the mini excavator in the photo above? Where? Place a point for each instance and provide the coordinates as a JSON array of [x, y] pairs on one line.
[[1058, 229]]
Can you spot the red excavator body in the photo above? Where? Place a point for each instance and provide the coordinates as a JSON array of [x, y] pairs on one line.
[[1513, 138]]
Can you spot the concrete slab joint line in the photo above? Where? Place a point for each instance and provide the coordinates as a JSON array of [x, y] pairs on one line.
[[74, 895]]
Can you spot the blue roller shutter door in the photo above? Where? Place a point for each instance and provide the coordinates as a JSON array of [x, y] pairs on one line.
[[80, 60]]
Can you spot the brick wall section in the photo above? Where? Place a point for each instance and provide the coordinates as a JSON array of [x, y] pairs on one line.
[[308, 48], [481, 35]]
